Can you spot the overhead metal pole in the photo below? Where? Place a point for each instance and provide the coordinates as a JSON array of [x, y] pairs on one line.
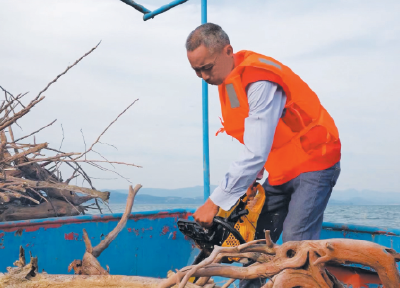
[[206, 154], [162, 9]]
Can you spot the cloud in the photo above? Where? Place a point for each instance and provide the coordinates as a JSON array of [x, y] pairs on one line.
[[346, 51]]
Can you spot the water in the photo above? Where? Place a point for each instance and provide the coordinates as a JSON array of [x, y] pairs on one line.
[[384, 216], [120, 208]]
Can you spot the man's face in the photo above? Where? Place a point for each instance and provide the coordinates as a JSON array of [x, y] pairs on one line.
[[212, 67]]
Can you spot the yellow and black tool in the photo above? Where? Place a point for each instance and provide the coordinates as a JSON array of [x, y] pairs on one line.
[[230, 228]]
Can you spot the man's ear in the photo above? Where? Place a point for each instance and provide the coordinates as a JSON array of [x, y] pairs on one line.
[[228, 50]]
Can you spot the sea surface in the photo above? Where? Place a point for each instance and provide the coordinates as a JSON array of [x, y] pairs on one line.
[[383, 216]]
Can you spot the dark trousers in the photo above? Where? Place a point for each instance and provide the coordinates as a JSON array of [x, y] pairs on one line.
[[295, 208]]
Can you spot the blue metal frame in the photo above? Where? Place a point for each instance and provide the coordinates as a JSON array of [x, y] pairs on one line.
[[151, 14], [206, 154], [137, 6], [163, 9]]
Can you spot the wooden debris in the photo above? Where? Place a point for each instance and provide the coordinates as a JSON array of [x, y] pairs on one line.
[[294, 264], [55, 208], [89, 265], [92, 281], [31, 184]]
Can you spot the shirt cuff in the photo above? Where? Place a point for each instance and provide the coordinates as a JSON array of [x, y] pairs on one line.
[[223, 199]]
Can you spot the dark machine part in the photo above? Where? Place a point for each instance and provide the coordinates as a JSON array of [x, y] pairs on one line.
[[206, 238]]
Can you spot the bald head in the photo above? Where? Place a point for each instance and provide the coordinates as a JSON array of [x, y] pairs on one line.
[[210, 36]]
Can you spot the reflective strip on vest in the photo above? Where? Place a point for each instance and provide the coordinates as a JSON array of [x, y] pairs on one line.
[[233, 98], [270, 63]]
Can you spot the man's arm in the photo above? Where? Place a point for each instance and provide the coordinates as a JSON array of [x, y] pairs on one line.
[[266, 102]]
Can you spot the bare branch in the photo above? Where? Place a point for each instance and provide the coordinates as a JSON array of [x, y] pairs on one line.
[[108, 145], [66, 70], [40, 195], [56, 157], [102, 133], [22, 154], [62, 140], [121, 224], [84, 142], [12, 96], [19, 139], [101, 161], [98, 206], [5, 123], [60, 186], [103, 157]]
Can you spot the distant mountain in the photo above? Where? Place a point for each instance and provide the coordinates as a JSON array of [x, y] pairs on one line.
[[194, 195], [336, 202], [188, 192], [118, 198], [364, 197]]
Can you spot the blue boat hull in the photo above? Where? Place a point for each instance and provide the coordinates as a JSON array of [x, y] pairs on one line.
[[149, 245]]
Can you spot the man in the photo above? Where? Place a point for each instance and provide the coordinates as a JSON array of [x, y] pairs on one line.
[[284, 129]]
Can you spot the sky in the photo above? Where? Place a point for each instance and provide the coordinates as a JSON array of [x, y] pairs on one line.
[[347, 52]]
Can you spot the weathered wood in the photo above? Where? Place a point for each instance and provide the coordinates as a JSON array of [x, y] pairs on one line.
[[8, 121], [24, 167], [79, 281], [12, 172], [295, 263], [60, 186], [43, 210], [21, 262], [35, 172], [24, 153], [89, 265], [10, 195], [121, 224]]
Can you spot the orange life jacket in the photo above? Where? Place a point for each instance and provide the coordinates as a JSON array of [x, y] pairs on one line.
[[306, 138]]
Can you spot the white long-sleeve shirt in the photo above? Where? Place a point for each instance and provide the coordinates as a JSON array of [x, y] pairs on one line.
[[266, 102]]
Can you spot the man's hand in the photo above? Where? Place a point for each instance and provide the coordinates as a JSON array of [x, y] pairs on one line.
[[251, 191], [204, 215]]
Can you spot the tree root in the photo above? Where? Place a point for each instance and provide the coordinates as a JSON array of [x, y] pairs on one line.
[[294, 264]]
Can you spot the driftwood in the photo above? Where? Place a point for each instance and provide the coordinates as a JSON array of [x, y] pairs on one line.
[[59, 187], [30, 179], [89, 265], [55, 208], [294, 264]]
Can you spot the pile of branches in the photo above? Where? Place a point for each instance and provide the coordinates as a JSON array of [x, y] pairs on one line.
[[293, 264], [31, 182]]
